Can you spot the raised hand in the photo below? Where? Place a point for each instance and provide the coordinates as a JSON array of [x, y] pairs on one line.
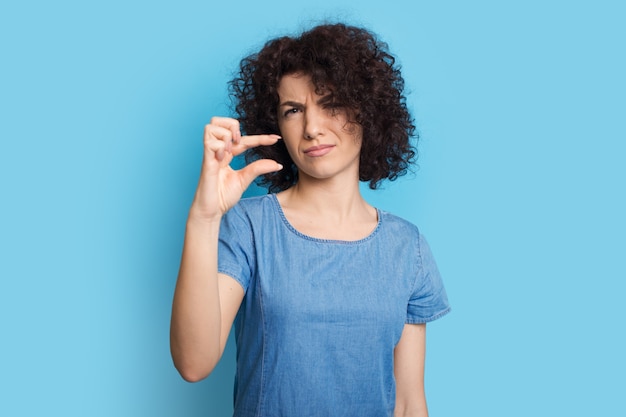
[[220, 186], [204, 304]]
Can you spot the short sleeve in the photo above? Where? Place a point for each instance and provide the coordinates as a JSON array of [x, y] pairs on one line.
[[429, 300], [236, 247]]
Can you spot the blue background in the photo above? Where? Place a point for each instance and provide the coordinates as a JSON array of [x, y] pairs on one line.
[[520, 191]]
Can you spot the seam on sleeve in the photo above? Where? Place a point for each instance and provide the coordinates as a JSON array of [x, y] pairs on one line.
[[225, 270], [428, 319], [420, 271]]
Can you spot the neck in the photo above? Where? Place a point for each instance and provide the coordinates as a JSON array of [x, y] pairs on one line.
[[331, 199], [328, 209]]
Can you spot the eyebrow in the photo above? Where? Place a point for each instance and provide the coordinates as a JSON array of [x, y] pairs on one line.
[[291, 104], [322, 100]]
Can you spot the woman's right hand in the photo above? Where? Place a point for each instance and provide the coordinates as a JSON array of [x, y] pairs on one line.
[[220, 186], [205, 302]]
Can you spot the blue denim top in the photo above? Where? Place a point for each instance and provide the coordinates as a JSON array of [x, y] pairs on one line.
[[319, 321]]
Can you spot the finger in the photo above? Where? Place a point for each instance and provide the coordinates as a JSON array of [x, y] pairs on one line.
[[218, 132], [214, 133], [217, 144], [256, 168], [230, 124], [252, 141], [216, 147]]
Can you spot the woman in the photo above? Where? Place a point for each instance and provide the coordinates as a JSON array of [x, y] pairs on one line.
[[329, 295]]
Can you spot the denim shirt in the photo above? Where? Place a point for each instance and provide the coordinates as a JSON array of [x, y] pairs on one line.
[[320, 319]]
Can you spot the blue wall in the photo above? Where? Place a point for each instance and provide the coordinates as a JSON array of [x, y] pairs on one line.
[[520, 192]]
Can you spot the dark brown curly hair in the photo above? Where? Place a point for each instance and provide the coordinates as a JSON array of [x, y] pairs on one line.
[[359, 73]]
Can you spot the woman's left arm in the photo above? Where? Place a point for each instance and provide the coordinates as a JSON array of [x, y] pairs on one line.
[[409, 359]]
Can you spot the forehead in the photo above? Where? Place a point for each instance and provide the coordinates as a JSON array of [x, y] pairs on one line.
[[292, 86]]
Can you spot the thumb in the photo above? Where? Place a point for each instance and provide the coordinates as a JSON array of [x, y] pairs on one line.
[[256, 168]]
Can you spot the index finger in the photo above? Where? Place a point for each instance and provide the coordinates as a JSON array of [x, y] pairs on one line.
[[252, 141]]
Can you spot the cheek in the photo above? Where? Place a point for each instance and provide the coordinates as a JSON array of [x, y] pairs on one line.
[[287, 133], [286, 129], [353, 129], [357, 136], [291, 150], [290, 145]]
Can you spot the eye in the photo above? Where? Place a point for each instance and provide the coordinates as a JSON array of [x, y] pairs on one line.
[[290, 111], [333, 108]]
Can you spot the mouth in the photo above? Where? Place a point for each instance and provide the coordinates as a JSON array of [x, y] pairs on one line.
[[319, 150]]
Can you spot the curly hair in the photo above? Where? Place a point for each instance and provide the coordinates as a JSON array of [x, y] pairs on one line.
[[360, 74]]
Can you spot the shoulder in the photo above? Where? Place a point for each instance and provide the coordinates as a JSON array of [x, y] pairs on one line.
[[251, 213], [404, 234], [245, 219], [251, 207], [398, 226], [255, 202]]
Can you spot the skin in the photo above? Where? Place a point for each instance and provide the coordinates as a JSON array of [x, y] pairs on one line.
[[325, 203]]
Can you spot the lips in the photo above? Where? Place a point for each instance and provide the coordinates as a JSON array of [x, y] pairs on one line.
[[319, 150]]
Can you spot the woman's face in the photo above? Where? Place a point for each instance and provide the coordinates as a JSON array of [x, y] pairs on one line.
[[319, 137]]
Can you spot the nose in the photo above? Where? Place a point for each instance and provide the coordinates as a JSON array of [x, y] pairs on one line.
[[312, 124]]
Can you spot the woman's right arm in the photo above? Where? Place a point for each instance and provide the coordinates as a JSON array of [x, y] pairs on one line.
[[205, 302]]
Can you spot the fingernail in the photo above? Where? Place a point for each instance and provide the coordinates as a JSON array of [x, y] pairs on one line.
[[279, 167]]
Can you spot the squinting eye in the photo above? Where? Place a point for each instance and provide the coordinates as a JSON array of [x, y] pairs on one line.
[[290, 111], [333, 108]]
